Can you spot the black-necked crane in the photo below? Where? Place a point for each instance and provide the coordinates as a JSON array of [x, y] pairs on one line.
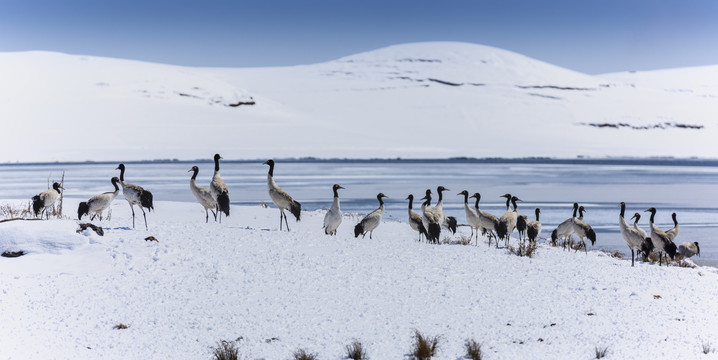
[[98, 203], [281, 198], [45, 200], [533, 228], [415, 220], [507, 221], [672, 233], [631, 236], [521, 225], [489, 222], [371, 221], [333, 217], [688, 249], [472, 216], [646, 244], [219, 190], [432, 219], [448, 222], [661, 241], [564, 229], [583, 230], [203, 195], [135, 195]]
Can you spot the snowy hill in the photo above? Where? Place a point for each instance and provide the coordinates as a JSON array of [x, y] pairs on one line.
[[423, 100]]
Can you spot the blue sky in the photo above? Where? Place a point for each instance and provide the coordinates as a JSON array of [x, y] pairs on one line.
[[588, 36]]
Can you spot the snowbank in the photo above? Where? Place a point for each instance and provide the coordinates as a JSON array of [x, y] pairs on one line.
[[280, 291]]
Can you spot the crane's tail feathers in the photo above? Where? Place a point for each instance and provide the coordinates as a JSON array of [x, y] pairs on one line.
[[83, 209], [451, 221], [358, 230], [532, 233], [223, 202], [501, 230], [671, 249], [554, 236], [296, 209], [434, 232], [36, 204], [422, 230], [591, 235], [146, 200]]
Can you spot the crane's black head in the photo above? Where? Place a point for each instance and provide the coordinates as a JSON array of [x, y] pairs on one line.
[[537, 211], [269, 162], [582, 209], [115, 180], [515, 198], [507, 196], [651, 210], [428, 195], [381, 195], [336, 187], [476, 195], [440, 189], [410, 197], [575, 206], [636, 216], [120, 167], [674, 218], [194, 168], [697, 248], [463, 192], [217, 157], [57, 186]]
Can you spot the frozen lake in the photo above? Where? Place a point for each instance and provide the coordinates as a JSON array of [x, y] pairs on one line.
[[688, 188]]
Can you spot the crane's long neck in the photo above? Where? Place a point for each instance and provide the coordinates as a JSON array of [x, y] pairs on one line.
[[508, 200], [194, 175], [623, 209], [653, 215], [381, 202], [675, 221], [426, 203], [516, 208], [216, 164], [122, 174], [336, 193], [466, 198], [271, 170], [580, 213], [411, 202], [441, 199], [575, 209], [477, 203], [537, 215], [114, 183]]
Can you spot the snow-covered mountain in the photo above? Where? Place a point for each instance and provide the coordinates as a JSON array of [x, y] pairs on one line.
[[422, 100]]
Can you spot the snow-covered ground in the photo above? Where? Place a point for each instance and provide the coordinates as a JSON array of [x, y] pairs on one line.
[[421, 100], [281, 291]]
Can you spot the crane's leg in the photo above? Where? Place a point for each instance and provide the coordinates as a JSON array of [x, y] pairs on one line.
[[144, 216], [215, 215], [285, 220], [370, 232], [133, 214], [206, 218], [281, 215], [632, 256]]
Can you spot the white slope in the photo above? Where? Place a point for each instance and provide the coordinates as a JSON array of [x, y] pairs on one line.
[[281, 291], [421, 100]]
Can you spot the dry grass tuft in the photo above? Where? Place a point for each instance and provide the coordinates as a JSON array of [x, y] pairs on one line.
[[601, 352], [706, 347], [356, 351], [473, 350], [424, 347], [226, 350], [527, 249], [302, 354], [120, 327]]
